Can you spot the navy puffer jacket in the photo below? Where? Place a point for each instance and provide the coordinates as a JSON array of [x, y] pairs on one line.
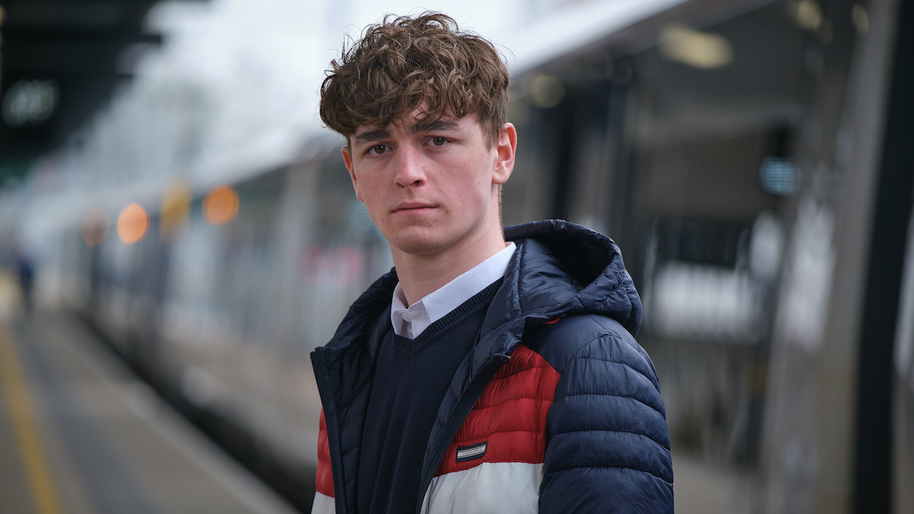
[[556, 409]]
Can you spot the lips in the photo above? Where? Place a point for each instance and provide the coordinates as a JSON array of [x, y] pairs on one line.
[[407, 207]]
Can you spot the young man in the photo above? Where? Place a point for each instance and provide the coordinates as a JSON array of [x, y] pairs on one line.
[[478, 376]]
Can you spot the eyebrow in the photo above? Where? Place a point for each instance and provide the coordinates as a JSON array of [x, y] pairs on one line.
[[434, 125], [371, 135], [374, 135]]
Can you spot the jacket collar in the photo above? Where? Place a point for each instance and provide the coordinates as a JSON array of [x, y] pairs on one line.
[[559, 269]]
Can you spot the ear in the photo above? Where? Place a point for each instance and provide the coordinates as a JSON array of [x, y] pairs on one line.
[[347, 158], [505, 148]]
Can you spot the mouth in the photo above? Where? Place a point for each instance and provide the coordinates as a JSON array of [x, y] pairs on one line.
[[412, 207]]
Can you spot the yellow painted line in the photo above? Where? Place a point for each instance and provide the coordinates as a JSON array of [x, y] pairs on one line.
[[41, 484]]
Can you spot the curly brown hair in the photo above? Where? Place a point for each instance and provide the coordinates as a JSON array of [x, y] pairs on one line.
[[406, 62]]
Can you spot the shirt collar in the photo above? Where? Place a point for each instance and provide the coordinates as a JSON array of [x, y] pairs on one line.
[[413, 320]]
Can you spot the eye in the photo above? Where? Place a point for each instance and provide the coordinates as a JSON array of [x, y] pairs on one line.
[[438, 141], [378, 149]]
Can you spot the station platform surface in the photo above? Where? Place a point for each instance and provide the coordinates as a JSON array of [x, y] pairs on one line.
[[80, 434]]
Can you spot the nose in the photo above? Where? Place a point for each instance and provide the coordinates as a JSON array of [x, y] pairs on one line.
[[410, 167]]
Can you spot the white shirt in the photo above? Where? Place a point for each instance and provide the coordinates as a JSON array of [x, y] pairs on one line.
[[413, 320]]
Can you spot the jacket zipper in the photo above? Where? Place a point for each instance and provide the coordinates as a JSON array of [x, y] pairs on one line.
[[464, 405]]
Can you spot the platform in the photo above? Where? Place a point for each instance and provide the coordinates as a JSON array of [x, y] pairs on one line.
[[80, 434]]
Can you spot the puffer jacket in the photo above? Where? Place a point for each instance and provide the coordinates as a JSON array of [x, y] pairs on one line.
[[556, 409]]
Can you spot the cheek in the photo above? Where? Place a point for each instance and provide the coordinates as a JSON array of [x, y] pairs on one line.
[[475, 194], [366, 187]]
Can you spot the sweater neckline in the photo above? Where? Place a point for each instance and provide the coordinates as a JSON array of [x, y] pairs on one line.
[[477, 301]]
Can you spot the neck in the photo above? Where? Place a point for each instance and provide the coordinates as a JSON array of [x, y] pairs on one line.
[[420, 275]]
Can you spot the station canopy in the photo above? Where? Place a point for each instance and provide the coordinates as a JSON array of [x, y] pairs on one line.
[[60, 62]]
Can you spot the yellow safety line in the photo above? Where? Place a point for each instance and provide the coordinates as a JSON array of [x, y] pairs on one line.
[[17, 395]]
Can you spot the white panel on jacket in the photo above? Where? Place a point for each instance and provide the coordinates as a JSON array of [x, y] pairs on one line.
[[490, 488], [323, 504]]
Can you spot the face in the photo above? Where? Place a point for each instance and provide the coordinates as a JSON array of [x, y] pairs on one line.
[[431, 187]]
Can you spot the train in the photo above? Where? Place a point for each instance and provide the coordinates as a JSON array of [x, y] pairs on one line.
[[732, 150]]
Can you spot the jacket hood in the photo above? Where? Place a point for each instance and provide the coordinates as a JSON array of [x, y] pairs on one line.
[[562, 269], [559, 269]]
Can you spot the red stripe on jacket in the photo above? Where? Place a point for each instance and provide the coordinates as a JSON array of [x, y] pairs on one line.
[[324, 478], [510, 416]]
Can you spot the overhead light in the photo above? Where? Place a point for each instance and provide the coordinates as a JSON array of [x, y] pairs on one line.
[[809, 15], [175, 207], [698, 49], [779, 176], [132, 224], [860, 18], [546, 91], [220, 205]]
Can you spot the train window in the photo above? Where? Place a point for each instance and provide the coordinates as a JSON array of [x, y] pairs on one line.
[[700, 284]]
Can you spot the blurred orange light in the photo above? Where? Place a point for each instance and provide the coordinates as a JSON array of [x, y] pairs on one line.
[[95, 227], [175, 207], [132, 224], [220, 206]]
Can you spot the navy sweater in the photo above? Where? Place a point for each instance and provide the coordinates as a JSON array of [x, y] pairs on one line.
[[411, 378]]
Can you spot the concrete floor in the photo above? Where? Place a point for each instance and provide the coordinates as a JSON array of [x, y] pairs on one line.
[[79, 434]]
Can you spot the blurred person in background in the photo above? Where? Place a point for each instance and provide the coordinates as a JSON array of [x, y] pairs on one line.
[[491, 370], [26, 272]]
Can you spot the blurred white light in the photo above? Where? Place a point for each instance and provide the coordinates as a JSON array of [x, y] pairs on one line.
[[766, 247], [778, 176], [30, 101], [704, 302], [904, 335], [809, 265], [697, 49]]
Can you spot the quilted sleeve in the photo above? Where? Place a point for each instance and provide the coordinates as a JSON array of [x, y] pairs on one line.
[[608, 447]]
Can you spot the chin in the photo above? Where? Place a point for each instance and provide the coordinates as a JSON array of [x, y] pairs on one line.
[[417, 246], [415, 239]]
